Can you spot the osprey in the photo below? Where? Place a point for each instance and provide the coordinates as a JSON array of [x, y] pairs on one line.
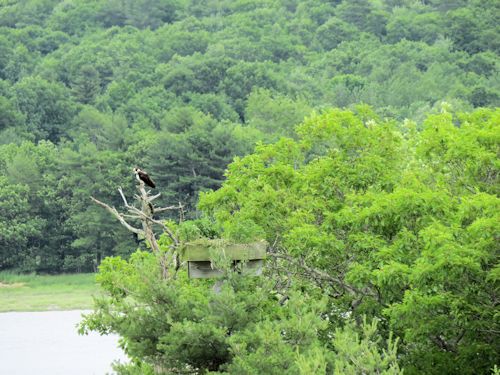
[[143, 176]]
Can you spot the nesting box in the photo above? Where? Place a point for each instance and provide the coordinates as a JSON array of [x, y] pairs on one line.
[[250, 256]]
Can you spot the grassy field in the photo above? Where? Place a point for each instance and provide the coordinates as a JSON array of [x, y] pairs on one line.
[[45, 292]]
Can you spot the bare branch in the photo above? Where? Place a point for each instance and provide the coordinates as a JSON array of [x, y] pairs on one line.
[[134, 210], [152, 198], [144, 213], [119, 216], [161, 209], [123, 196], [144, 197], [161, 224]]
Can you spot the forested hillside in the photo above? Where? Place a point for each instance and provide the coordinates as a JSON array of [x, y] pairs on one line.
[[90, 89], [359, 139]]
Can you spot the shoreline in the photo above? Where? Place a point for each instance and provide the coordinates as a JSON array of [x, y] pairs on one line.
[[37, 293]]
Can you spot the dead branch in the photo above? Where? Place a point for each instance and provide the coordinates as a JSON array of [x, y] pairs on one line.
[[167, 230], [161, 209], [152, 198], [119, 216], [123, 197], [144, 198], [145, 215]]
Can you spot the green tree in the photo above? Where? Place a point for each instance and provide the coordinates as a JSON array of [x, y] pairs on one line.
[[244, 77], [6, 49], [86, 86], [243, 329], [31, 168], [47, 106], [152, 13], [472, 28], [390, 228], [10, 117], [19, 229], [274, 114], [87, 171], [105, 131], [333, 32], [192, 154], [410, 24], [19, 65]]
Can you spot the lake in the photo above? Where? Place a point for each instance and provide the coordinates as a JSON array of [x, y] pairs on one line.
[[47, 343]]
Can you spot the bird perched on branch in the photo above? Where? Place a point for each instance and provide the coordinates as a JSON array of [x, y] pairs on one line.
[[143, 176]]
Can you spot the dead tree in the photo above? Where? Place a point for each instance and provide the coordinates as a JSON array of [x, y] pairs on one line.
[[169, 259]]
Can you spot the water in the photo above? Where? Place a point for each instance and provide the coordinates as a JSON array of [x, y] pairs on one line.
[[47, 343]]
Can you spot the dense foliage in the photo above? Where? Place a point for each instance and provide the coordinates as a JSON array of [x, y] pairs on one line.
[[369, 219], [403, 222], [89, 89], [179, 326]]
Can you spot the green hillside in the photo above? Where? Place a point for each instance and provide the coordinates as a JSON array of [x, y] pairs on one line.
[[360, 139], [90, 89]]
